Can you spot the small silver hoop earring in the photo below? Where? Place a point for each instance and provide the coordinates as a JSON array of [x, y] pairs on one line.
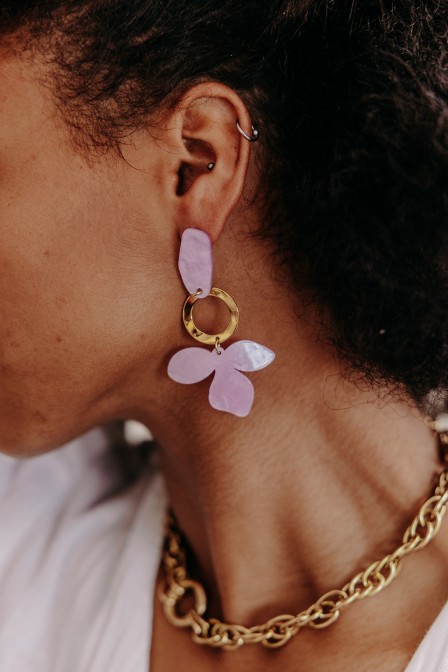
[[251, 138]]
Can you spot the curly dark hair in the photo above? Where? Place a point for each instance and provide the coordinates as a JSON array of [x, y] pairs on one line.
[[351, 98]]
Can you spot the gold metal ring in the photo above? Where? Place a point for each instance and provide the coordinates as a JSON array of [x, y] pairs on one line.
[[201, 336]]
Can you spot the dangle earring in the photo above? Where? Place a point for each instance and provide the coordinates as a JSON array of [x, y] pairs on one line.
[[230, 389]]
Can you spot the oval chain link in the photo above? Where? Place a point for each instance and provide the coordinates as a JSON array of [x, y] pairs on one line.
[[325, 611]]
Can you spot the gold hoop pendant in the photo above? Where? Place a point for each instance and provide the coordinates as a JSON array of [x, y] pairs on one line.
[[201, 336]]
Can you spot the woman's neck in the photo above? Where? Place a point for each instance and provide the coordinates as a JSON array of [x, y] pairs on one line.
[[317, 482]]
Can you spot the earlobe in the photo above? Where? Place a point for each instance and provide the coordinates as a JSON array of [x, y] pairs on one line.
[[215, 156]]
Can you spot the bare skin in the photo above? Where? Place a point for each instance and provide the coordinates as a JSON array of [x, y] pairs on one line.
[[317, 482]]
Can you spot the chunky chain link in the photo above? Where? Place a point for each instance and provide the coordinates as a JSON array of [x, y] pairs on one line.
[[325, 611]]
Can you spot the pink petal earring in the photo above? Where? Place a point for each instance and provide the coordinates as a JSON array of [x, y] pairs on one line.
[[230, 390]]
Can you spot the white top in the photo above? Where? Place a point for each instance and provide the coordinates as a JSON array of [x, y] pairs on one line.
[[432, 654], [79, 560]]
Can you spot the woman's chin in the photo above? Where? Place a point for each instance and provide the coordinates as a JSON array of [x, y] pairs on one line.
[[28, 438]]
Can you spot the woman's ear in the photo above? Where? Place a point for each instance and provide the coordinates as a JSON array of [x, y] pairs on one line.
[[211, 156]]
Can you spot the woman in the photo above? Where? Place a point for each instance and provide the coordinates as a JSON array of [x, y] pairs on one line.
[[307, 142]]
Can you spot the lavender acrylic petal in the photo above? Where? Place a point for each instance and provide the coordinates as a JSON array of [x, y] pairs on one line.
[[196, 261], [231, 391], [248, 356], [191, 365]]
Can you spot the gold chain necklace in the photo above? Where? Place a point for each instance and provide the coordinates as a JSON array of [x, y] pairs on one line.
[[325, 611]]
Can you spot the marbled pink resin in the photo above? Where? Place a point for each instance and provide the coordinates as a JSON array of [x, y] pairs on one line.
[[230, 390], [196, 261]]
